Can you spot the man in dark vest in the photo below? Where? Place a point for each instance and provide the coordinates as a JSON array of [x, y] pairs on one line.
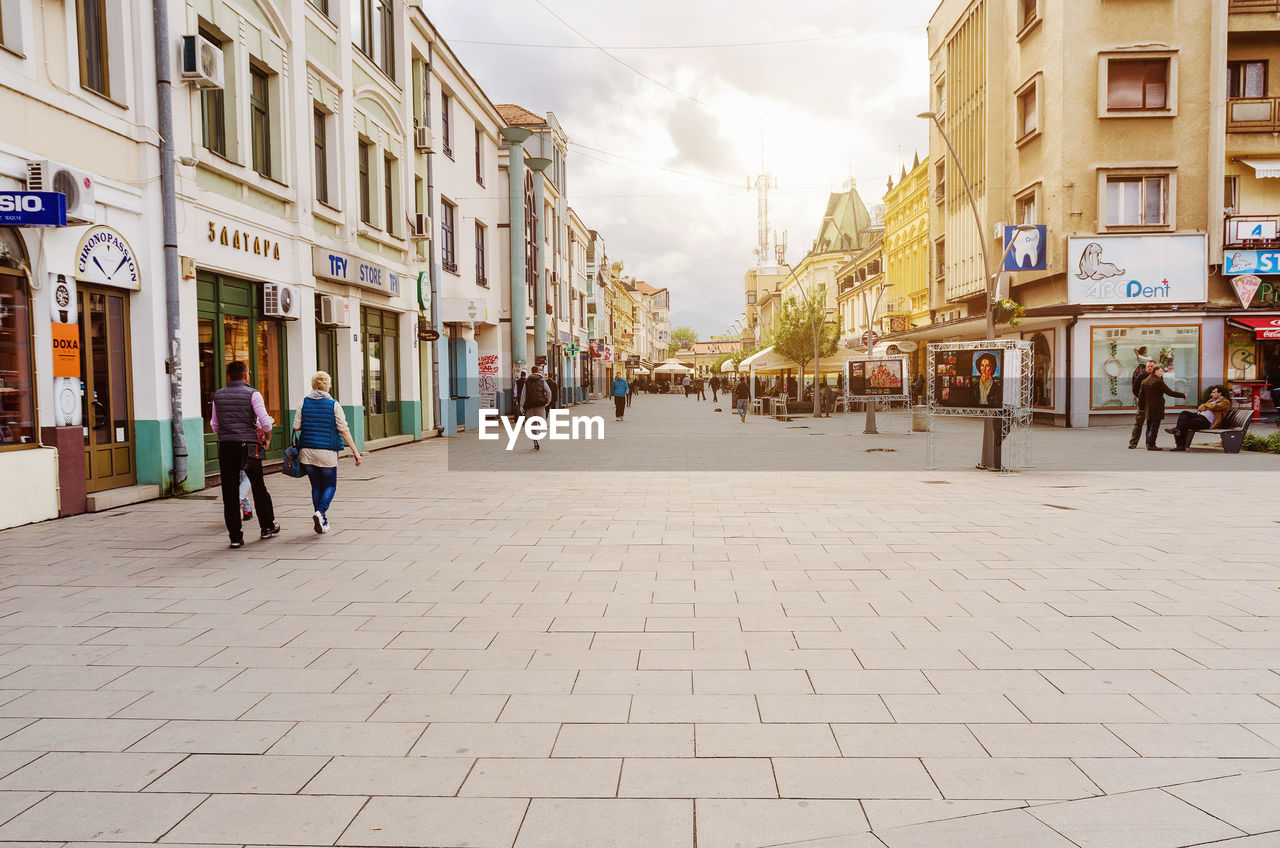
[[239, 414]]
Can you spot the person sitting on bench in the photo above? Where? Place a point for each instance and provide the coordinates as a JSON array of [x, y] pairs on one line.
[[1209, 415]]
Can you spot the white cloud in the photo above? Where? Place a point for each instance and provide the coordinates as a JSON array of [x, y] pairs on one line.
[[829, 109]]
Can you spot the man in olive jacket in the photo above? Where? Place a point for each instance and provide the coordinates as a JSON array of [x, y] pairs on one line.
[[1154, 390]]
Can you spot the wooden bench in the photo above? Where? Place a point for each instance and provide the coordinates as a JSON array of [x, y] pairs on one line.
[[1233, 430]]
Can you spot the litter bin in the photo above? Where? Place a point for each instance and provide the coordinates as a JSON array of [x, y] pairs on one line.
[[920, 418]]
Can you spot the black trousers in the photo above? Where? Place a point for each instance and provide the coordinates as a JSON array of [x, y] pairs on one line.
[[620, 405], [231, 458], [1188, 424]]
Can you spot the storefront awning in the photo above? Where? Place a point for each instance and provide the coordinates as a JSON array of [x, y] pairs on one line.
[[1264, 168], [1263, 328]]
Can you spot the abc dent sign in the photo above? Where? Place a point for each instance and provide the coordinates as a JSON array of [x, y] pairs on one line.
[[1139, 270], [33, 209]]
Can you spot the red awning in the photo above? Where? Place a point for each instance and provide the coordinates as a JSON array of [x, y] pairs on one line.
[[1264, 328]]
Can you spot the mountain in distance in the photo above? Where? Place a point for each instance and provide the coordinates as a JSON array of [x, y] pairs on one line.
[[705, 325]]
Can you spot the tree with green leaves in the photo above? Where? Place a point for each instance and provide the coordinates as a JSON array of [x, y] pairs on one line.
[[799, 322], [682, 337]]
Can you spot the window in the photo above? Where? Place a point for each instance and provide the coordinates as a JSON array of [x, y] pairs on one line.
[[366, 206], [213, 110], [389, 194], [1136, 201], [446, 141], [1028, 112], [1137, 84], [1026, 208], [479, 157], [940, 96], [323, 6], [374, 23], [482, 277], [91, 23], [1247, 79], [448, 254], [319, 119], [940, 258], [260, 119], [1230, 194], [1028, 13], [940, 183]]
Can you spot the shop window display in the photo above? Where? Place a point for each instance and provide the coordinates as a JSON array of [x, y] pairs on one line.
[[1117, 351], [17, 393]]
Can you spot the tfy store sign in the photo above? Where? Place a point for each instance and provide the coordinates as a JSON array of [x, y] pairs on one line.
[[345, 268], [1138, 270]]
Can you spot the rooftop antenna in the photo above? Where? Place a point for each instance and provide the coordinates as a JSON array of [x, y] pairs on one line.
[[762, 184]]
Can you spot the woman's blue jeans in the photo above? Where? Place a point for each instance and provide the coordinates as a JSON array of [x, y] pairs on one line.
[[324, 482]]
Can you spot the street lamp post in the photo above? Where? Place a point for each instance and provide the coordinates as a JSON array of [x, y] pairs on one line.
[[991, 458], [870, 428]]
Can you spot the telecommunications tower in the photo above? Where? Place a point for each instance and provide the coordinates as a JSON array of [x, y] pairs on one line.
[[762, 184]]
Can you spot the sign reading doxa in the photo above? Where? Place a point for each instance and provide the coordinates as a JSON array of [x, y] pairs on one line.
[[1140, 270]]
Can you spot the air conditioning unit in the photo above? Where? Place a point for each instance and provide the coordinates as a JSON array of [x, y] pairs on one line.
[[335, 311], [280, 301], [43, 175], [202, 62], [421, 228], [422, 139]]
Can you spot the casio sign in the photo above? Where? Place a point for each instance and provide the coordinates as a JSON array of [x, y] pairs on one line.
[[33, 209]]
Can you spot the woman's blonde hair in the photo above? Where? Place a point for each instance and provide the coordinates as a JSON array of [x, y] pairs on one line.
[[321, 381]]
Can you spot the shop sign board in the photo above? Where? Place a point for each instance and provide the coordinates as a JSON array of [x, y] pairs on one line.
[[1262, 262], [33, 209], [1246, 286], [1137, 270], [1026, 250], [344, 268], [66, 349], [105, 258]]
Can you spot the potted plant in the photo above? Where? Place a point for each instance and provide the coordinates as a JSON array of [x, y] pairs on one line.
[[1006, 311]]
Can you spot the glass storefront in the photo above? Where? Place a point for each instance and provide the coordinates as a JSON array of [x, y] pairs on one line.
[[1117, 351], [231, 329], [380, 332], [17, 387]]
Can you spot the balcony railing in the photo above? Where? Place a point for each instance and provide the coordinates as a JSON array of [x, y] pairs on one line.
[[1252, 232], [1254, 6], [1253, 114]]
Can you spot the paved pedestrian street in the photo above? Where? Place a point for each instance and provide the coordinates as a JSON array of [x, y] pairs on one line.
[[632, 654]]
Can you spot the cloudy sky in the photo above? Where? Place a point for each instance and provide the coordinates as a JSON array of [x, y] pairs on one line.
[[665, 118]]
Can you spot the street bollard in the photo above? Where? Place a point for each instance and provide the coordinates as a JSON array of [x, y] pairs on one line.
[[920, 418]]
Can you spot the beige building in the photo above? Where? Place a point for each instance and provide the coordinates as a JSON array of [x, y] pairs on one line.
[[1106, 126]]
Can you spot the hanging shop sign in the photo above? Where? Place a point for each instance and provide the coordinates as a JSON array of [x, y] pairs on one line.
[[66, 349], [344, 268], [1246, 286], [1137, 270], [33, 209], [1026, 250], [1251, 262], [105, 258]]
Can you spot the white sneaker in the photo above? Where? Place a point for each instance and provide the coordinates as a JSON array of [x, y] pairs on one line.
[[318, 521], [324, 528]]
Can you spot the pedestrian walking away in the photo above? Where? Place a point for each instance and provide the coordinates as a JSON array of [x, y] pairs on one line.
[[715, 387], [240, 421], [534, 399], [741, 394], [1141, 373], [1209, 414], [688, 386], [631, 389], [700, 384], [554, 388], [621, 393], [1154, 390], [322, 429], [515, 398]]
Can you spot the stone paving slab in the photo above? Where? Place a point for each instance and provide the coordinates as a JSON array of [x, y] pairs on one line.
[[662, 653]]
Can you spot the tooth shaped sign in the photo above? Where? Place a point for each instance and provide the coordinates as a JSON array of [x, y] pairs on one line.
[[1246, 287], [1025, 250]]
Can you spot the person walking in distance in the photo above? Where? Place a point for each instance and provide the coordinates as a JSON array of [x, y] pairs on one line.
[[1154, 390], [715, 387], [688, 385], [535, 398], [741, 394], [554, 388], [621, 392], [322, 428], [631, 390], [701, 385], [1141, 373], [515, 398], [239, 416]]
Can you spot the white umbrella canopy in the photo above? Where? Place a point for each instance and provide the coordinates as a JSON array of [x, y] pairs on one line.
[[728, 367], [643, 372], [672, 368]]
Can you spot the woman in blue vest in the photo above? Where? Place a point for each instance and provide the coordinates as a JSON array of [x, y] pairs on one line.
[[322, 428]]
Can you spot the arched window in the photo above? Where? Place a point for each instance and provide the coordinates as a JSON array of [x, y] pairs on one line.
[[17, 387]]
